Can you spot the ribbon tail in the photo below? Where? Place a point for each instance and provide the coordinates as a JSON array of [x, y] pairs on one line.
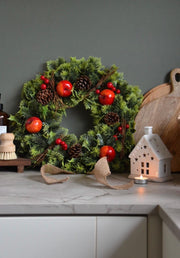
[[101, 171], [53, 170]]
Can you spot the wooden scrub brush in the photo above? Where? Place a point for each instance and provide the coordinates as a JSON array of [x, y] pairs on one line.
[[7, 147]]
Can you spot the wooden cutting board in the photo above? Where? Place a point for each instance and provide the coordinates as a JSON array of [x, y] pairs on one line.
[[161, 109]]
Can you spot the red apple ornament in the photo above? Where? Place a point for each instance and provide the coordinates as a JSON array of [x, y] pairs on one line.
[[33, 124], [107, 151], [106, 97], [64, 88]]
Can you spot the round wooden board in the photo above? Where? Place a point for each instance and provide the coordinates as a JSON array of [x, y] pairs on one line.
[[161, 109]]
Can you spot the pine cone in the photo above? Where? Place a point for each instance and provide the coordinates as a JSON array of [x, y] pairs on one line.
[[44, 96], [83, 83], [75, 150], [111, 118]]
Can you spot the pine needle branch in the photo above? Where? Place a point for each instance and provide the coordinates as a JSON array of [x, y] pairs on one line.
[[39, 158]]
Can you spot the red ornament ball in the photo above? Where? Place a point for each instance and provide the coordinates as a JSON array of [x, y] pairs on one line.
[[42, 77], [43, 86], [106, 97], [115, 137], [97, 91], [120, 129], [64, 147], [58, 141], [63, 143], [118, 91], [46, 80], [110, 85], [109, 152], [127, 126]]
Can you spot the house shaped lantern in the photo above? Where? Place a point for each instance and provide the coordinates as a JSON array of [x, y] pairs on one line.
[[151, 158]]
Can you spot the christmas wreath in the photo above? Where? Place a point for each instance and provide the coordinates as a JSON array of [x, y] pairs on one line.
[[112, 103]]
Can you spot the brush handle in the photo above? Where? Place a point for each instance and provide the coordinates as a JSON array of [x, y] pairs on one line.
[[6, 140]]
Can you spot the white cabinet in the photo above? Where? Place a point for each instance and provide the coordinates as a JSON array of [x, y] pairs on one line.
[[121, 237], [170, 243], [46, 237], [73, 237]]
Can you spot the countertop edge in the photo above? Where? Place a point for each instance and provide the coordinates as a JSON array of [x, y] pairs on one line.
[[76, 210], [166, 215]]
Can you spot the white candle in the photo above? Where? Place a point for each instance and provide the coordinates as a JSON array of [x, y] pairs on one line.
[[140, 180]]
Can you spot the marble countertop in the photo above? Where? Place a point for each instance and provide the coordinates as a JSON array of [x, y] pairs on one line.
[[27, 194]]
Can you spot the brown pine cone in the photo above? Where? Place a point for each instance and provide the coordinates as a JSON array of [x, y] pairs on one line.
[[83, 83], [111, 118], [44, 96], [75, 150]]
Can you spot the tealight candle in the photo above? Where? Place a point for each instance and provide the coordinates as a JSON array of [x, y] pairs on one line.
[[140, 180]]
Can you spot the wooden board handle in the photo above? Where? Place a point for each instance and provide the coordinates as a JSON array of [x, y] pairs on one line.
[[173, 74], [163, 89]]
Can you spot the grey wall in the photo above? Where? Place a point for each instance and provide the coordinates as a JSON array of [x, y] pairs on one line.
[[140, 37]]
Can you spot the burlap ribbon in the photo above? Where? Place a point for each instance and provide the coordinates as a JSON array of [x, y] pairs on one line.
[[101, 171]]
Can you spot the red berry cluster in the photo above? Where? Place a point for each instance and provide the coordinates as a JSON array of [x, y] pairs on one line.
[[45, 80], [110, 86], [62, 143], [120, 129]]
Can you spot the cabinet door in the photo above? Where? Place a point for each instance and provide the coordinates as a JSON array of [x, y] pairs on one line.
[[56, 237], [121, 237], [170, 243]]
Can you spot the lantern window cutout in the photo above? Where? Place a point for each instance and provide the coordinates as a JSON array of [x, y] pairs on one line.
[[151, 158], [164, 168]]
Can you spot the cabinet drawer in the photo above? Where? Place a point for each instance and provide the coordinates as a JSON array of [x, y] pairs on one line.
[[121, 237], [36, 237]]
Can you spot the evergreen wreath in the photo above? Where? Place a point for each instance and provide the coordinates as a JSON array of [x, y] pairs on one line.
[[112, 103]]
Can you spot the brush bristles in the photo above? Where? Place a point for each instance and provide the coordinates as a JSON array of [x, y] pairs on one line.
[[8, 155]]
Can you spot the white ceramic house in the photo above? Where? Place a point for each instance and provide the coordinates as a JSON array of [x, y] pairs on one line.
[[151, 158]]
